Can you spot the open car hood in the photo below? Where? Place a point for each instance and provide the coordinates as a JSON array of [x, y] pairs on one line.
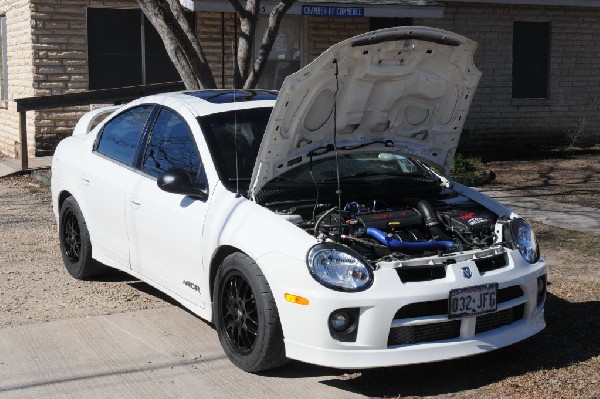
[[405, 90]]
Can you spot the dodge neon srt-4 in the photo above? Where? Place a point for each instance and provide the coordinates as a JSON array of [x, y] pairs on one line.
[[315, 223]]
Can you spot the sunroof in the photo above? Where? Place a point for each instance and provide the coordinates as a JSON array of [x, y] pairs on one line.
[[229, 96]]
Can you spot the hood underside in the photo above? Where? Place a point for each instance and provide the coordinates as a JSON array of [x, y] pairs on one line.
[[405, 90]]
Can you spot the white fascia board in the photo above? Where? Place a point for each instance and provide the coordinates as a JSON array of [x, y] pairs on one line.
[[569, 3], [296, 9]]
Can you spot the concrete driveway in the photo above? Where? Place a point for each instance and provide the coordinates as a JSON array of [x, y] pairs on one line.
[[158, 353]]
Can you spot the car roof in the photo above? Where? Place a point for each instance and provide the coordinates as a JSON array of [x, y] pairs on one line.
[[206, 102]]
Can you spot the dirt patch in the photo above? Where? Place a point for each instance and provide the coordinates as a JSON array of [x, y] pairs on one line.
[[569, 179]]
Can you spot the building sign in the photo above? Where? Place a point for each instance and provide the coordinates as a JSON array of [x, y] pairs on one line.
[[333, 11]]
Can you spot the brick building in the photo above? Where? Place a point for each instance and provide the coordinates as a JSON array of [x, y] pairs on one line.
[[539, 58]]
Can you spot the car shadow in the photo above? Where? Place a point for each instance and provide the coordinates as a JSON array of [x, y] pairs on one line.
[[571, 336], [118, 276]]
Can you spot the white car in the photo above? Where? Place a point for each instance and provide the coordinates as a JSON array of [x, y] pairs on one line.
[[314, 224]]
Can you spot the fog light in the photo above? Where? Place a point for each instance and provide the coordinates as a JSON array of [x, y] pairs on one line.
[[339, 320], [541, 289], [343, 324]]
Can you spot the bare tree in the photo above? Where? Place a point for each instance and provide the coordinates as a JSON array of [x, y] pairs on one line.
[[184, 49]]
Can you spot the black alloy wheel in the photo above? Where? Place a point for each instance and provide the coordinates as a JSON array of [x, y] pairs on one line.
[[238, 313], [71, 236], [75, 244], [246, 316]]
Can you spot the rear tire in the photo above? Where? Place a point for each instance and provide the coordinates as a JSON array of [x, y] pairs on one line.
[[75, 244], [246, 317]]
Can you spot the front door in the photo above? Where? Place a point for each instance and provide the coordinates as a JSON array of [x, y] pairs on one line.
[[165, 229]]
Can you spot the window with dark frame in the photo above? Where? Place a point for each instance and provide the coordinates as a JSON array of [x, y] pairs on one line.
[[531, 54], [120, 137], [171, 146], [124, 49]]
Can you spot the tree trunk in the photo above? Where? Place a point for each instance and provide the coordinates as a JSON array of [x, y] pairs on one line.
[[167, 17], [248, 17]]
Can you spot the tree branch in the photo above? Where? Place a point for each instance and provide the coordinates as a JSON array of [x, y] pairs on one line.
[[237, 6], [267, 43]]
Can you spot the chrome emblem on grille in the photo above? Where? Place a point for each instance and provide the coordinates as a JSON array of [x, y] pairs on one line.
[[466, 272]]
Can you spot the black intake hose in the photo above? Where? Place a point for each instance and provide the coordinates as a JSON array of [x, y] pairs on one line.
[[431, 221]]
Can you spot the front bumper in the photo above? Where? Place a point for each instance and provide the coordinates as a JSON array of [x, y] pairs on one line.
[[417, 353], [405, 322]]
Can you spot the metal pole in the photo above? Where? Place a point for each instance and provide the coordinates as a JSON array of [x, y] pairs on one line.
[[222, 50], [23, 134]]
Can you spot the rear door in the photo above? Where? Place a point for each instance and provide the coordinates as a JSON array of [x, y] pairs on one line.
[[104, 181]]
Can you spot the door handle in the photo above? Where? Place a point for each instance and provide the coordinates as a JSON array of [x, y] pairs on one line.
[[136, 203], [85, 180]]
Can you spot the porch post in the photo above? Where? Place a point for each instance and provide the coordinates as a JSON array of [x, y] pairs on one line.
[[23, 135]]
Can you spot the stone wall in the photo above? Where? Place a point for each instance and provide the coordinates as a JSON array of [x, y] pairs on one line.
[[574, 76], [209, 26], [60, 63], [20, 73]]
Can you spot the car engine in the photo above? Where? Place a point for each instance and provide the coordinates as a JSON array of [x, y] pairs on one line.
[[408, 229]]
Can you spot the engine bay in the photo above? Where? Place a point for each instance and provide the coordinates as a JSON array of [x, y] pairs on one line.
[[401, 229]]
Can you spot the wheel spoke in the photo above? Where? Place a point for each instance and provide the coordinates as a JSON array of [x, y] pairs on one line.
[[239, 313], [71, 237]]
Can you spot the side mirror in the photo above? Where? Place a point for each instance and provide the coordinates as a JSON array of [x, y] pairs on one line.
[[179, 181]]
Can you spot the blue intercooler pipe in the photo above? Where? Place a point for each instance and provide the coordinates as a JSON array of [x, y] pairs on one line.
[[410, 246]]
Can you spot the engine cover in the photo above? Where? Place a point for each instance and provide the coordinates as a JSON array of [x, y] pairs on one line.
[[470, 222], [386, 219]]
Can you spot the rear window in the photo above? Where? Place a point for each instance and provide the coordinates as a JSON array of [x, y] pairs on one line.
[[120, 137]]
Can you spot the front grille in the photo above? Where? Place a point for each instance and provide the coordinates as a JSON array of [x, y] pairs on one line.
[[420, 309], [421, 273], [424, 333], [440, 307], [509, 293], [407, 335], [499, 319], [490, 263], [431, 332]]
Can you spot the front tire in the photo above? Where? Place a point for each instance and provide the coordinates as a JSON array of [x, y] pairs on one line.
[[246, 316], [75, 244]]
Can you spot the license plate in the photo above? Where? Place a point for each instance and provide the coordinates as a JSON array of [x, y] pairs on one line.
[[472, 301]]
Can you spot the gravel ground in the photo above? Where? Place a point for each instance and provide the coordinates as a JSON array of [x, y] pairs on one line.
[[34, 285], [561, 362]]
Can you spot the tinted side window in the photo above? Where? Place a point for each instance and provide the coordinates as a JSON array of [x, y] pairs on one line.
[[120, 136], [171, 146]]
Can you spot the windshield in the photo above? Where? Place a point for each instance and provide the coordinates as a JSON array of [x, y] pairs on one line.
[[235, 132], [367, 166]]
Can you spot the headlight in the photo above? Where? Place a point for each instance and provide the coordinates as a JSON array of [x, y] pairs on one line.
[[339, 268], [524, 239]]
